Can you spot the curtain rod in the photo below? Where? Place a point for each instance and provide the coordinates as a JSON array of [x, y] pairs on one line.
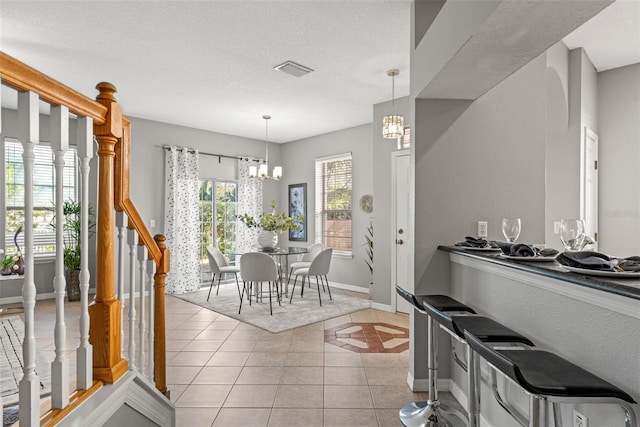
[[219, 156]]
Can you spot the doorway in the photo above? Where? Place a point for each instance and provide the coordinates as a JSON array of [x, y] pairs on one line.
[[400, 233], [589, 184]]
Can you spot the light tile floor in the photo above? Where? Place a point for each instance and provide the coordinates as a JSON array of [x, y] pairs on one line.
[[222, 372]]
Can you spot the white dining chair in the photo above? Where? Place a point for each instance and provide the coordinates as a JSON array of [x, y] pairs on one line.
[[219, 265], [256, 268], [319, 268], [305, 260]]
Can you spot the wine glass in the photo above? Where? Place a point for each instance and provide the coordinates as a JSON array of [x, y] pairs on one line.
[[511, 229], [572, 234]]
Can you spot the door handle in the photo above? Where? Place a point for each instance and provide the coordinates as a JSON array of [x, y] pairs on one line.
[[399, 242]]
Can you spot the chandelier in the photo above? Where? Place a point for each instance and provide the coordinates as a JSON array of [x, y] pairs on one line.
[[262, 172], [393, 126]]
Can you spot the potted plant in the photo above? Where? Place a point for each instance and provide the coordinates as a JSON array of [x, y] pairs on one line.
[[271, 224], [7, 261], [72, 229]]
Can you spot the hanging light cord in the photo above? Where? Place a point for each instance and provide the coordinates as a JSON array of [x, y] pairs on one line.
[[393, 94], [266, 139]]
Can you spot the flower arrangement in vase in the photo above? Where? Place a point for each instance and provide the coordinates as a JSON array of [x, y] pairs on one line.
[[271, 224]]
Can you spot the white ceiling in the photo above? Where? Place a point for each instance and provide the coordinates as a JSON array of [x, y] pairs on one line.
[[611, 38], [208, 64]]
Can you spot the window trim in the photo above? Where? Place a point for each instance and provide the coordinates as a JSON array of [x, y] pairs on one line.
[[320, 196]]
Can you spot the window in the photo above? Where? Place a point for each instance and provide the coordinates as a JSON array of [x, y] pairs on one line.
[[217, 230], [333, 202], [44, 194]]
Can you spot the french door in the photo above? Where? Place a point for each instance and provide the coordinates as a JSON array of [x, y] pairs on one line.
[[218, 211]]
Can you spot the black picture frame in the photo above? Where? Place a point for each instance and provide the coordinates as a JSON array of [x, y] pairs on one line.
[[297, 206]]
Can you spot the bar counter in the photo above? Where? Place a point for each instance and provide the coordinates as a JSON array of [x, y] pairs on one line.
[[628, 287], [592, 321]]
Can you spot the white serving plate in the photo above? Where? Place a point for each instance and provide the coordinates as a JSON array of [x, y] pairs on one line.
[[469, 248], [529, 258], [617, 274]]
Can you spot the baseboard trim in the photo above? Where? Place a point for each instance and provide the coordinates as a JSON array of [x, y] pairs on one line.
[[351, 288], [382, 307], [422, 384]]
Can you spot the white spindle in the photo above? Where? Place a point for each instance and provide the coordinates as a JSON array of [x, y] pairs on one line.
[[1, 230], [122, 241], [150, 271], [132, 239], [84, 353], [60, 364], [28, 128], [142, 265]]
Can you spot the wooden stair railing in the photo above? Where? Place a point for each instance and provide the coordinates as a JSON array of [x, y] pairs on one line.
[[112, 132], [156, 248]]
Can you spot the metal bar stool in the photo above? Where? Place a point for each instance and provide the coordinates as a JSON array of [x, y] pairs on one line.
[[432, 413], [546, 377], [489, 331]]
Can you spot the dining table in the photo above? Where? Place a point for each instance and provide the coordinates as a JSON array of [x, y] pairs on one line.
[[281, 256]]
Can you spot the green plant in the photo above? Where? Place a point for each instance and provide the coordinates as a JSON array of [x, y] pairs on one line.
[[369, 246], [272, 221], [7, 260], [72, 228]]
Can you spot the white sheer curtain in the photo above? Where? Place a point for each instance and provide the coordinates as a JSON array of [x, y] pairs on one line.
[[182, 226], [249, 202]]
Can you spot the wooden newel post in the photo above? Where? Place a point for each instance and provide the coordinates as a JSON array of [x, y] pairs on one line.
[[162, 267], [104, 332]]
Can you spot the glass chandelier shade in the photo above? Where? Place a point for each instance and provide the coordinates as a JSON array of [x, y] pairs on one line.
[[262, 171], [393, 125]]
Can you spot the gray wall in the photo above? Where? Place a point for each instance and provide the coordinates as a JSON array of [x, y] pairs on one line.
[[477, 161], [147, 162], [383, 240], [298, 161], [619, 145]]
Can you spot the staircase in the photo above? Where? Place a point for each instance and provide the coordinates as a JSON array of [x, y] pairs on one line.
[[116, 384]]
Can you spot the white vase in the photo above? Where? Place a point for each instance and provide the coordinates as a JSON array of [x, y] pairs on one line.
[[268, 239]]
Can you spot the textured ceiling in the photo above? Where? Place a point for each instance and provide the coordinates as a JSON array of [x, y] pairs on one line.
[[611, 38], [209, 64]]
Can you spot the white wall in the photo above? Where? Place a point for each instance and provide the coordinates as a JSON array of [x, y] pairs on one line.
[[298, 161]]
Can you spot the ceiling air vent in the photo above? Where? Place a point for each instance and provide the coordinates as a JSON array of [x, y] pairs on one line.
[[294, 69]]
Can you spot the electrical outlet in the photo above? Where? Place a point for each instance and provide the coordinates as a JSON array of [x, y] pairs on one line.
[[579, 420], [556, 227], [483, 228], [152, 223]]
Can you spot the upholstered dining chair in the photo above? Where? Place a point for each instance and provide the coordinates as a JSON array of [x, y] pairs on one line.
[[255, 269], [219, 266], [319, 268], [305, 260]]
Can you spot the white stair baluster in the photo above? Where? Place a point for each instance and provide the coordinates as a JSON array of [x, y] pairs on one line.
[[1, 230], [60, 365], [142, 265], [28, 129], [150, 270], [122, 241], [84, 352], [132, 239]]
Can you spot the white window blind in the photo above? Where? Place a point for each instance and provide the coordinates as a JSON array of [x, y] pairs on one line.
[[44, 236], [333, 202]]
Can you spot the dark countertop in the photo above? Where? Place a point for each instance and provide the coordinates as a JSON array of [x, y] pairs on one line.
[[625, 287]]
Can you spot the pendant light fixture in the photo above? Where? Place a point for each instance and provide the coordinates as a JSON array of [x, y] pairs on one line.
[[393, 126], [263, 171]]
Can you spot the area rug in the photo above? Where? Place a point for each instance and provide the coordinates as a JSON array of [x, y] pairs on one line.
[[303, 311], [11, 362]]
